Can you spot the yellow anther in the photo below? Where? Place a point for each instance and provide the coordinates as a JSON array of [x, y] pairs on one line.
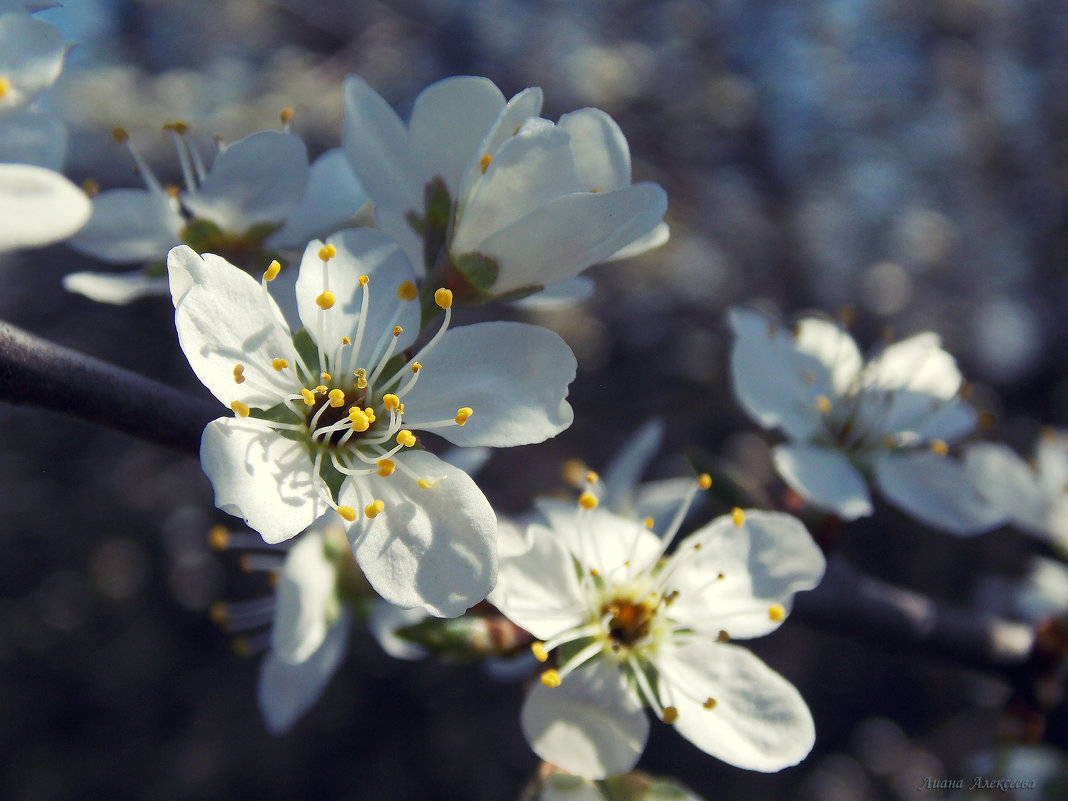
[[809, 377], [484, 162], [327, 252], [359, 420], [669, 599], [322, 389], [538, 649], [550, 678], [405, 438], [337, 398], [91, 187], [704, 481], [120, 135], [710, 703], [517, 129], [416, 367], [173, 191], [5, 87], [777, 613], [463, 414], [939, 447], [240, 409], [397, 330], [592, 477], [823, 403], [309, 396], [428, 483], [386, 467], [407, 291], [671, 714], [325, 300], [239, 374], [218, 614], [242, 647], [361, 378], [325, 376], [738, 516], [720, 577], [279, 364], [594, 572], [219, 538], [390, 402], [588, 500], [370, 413], [648, 523], [364, 279], [286, 115], [179, 127], [443, 297], [723, 636], [346, 341], [272, 270], [374, 509], [347, 513], [890, 441], [572, 471]]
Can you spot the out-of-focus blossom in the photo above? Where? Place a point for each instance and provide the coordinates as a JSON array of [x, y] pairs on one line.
[[38, 206], [258, 197], [1033, 495], [493, 198], [635, 786], [630, 627], [324, 420], [889, 420]]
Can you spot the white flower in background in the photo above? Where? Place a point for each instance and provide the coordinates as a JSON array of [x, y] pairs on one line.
[[324, 420], [1033, 495], [38, 207], [631, 627], [889, 420], [259, 196], [518, 201]]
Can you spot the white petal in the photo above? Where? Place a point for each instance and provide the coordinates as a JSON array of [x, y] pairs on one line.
[[759, 721], [225, 318], [33, 137], [1007, 483], [769, 375], [38, 207], [600, 539], [514, 376], [377, 146], [129, 225], [449, 120], [600, 148], [764, 562], [331, 200], [591, 725], [395, 225], [918, 364], [654, 239], [623, 473], [522, 107], [360, 251], [305, 586], [287, 691], [258, 179], [117, 288], [261, 477], [536, 586], [1051, 458], [936, 490], [384, 621], [434, 548], [586, 230], [561, 295], [660, 500], [31, 58], [833, 347], [825, 478]]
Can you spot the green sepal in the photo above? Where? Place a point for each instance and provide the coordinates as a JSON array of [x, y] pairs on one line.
[[460, 639], [479, 271], [155, 269]]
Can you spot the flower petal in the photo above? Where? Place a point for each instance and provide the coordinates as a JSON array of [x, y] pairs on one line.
[[758, 722], [38, 207], [376, 143], [306, 584], [600, 539], [833, 347], [561, 295], [591, 725], [384, 621], [936, 490], [31, 59], [600, 148], [622, 475], [654, 239], [1051, 458], [224, 318], [825, 478], [332, 198], [763, 563], [117, 288], [522, 107], [286, 691], [258, 179], [1008, 483], [261, 477], [514, 376], [360, 251], [129, 225], [918, 364], [434, 548], [449, 120], [33, 137]]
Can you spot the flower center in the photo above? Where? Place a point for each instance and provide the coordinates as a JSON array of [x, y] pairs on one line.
[[629, 623]]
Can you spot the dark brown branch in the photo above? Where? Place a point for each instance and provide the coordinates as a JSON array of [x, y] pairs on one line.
[[39, 373]]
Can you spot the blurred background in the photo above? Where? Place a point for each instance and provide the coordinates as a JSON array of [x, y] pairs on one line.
[[907, 159]]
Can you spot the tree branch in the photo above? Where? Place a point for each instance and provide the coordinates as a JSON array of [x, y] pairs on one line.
[[39, 373]]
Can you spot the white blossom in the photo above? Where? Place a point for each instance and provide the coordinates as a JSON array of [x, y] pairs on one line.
[[325, 420], [519, 202], [889, 420]]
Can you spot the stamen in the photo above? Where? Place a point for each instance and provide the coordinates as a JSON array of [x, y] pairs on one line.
[[386, 467], [240, 409], [374, 509], [405, 438], [348, 513], [463, 414], [359, 420], [279, 364], [390, 402], [219, 538], [239, 374], [361, 378], [337, 398], [428, 483], [704, 481], [309, 396], [407, 291], [587, 500], [776, 613], [327, 252], [710, 703], [671, 714], [5, 87], [484, 162], [538, 649], [325, 300], [272, 271], [823, 403], [91, 187], [443, 298], [939, 447], [738, 516], [286, 117], [550, 678]]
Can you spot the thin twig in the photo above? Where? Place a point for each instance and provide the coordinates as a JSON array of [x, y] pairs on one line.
[[36, 372]]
